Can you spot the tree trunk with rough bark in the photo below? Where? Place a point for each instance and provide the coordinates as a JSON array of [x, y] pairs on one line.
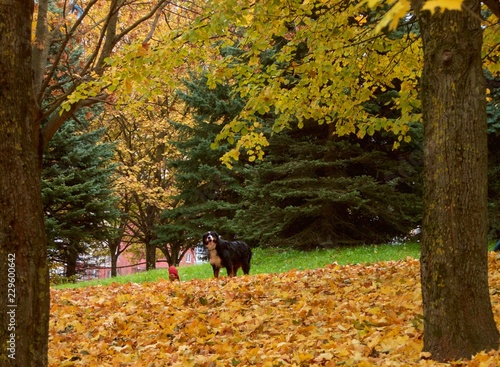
[[24, 280], [458, 318]]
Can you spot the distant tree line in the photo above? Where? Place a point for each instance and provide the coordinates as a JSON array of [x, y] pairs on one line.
[[313, 189]]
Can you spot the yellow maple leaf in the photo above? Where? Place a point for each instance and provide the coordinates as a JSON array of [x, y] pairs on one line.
[[392, 17]]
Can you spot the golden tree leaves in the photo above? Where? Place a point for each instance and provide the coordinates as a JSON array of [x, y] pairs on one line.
[[360, 315], [491, 40], [327, 64], [344, 64]]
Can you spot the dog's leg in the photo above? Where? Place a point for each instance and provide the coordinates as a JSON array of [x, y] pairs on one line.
[[230, 270], [216, 271], [236, 269], [246, 268]]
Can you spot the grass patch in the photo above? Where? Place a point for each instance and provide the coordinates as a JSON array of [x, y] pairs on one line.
[[274, 260]]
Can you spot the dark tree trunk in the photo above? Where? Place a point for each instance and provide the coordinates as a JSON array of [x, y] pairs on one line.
[[71, 260], [172, 253], [458, 318], [114, 260], [150, 256], [166, 252], [24, 280], [114, 252]]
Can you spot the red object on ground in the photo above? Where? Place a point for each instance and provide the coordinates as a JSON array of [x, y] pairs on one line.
[[173, 274]]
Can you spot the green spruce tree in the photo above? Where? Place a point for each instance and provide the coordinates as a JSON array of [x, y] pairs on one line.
[[315, 189], [209, 192], [79, 202]]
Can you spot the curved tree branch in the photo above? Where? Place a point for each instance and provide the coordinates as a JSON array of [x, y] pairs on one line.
[[55, 122]]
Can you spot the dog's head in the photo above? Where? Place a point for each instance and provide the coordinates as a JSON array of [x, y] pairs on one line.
[[210, 240]]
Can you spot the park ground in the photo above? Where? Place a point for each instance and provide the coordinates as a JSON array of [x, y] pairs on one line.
[[362, 315]]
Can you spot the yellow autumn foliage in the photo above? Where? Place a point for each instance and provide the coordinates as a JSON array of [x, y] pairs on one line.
[[357, 315]]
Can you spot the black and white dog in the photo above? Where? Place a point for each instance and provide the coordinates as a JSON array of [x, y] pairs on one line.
[[231, 255]]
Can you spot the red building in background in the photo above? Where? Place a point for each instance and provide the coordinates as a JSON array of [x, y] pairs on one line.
[[128, 264]]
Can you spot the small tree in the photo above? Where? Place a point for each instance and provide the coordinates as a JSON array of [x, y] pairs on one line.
[[143, 179]]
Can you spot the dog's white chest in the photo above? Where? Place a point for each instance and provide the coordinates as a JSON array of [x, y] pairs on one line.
[[215, 259]]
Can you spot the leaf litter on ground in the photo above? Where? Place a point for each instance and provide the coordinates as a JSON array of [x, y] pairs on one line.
[[357, 315]]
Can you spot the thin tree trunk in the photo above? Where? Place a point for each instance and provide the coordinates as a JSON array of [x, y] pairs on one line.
[[150, 256], [458, 318], [114, 260], [172, 253], [24, 280]]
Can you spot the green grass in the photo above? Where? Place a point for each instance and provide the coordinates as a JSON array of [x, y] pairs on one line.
[[275, 260]]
